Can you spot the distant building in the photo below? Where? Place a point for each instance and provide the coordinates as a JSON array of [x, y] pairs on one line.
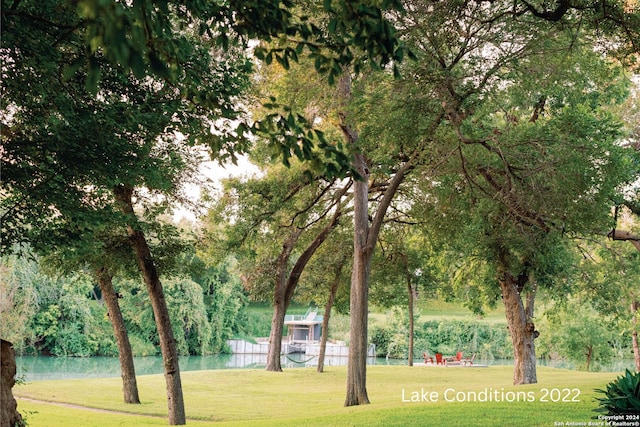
[[303, 329]]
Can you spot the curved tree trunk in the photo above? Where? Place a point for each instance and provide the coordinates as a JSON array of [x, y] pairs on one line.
[[520, 323], [127, 368], [286, 284], [175, 400], [327, 314], [281, 299]]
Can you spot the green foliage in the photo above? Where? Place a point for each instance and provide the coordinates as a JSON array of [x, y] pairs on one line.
[[204, 314], [577, 333], [68, 321], [622, 395], [188, 315], [19, 291], [353, 29], [50, 315], [227, 313], [64, 317], [486, 340]]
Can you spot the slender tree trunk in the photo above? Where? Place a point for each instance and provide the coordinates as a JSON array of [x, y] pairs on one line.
[[411, 323], [635, 306], [359, 304], [522, 332], [286, 284], [127, 368], [281, 301], [364, 242], [589, 355], [327, 314], [175, 400]]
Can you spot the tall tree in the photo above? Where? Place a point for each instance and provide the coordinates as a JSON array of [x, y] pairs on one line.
[[506, 133], [123, 195], [71, 156], [384, 155], [103, 259], [282, 209]]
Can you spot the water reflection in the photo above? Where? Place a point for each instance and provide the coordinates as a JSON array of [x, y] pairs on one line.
[[49, 368]]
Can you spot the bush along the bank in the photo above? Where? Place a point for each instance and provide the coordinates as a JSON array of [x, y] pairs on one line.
[[488, 341], [66, 316]]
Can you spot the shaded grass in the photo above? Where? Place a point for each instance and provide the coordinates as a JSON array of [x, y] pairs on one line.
[[299, 397]]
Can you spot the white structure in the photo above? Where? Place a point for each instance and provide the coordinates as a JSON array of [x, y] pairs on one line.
[[304, 329]]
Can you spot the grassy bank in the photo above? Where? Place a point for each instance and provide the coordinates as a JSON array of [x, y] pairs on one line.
[[301, 397]]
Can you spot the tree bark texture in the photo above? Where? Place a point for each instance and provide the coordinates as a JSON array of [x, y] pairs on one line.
[[327, 314], [625, 236], [175, 400], [589, 355], [127, 368], [275, 336], [364, 242], [359, 303], [9, 415], [521, 328]]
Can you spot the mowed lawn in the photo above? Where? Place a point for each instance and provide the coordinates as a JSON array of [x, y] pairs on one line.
[[400, 396]]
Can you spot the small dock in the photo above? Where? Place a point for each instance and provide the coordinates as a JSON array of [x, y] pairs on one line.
[[261, 346]]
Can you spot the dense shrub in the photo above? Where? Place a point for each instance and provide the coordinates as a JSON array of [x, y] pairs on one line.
[[585, 339], [622, 395], [486, 340]]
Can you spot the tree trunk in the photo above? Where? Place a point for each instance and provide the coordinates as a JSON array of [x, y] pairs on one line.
[[411, 323], [364, 242], [522, 333], [275, 336], [9, 415], [589, 355], [635, 306], [625, 236], [327, 314], [175, 400], [127, 368], [285, 284], [359, 304], [281, 301]]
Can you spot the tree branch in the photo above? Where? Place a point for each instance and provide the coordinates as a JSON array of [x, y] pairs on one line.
[[625, 236]]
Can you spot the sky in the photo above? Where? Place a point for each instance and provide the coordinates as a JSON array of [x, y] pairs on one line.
[[214, 172]]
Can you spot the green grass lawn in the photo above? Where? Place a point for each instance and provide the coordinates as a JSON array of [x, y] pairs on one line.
[[302, 397]]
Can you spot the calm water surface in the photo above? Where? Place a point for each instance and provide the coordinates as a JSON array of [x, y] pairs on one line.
[[34, 368], [48, 368]]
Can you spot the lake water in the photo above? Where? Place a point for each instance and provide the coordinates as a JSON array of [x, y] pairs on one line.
[[33, 368], [48, 368]]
